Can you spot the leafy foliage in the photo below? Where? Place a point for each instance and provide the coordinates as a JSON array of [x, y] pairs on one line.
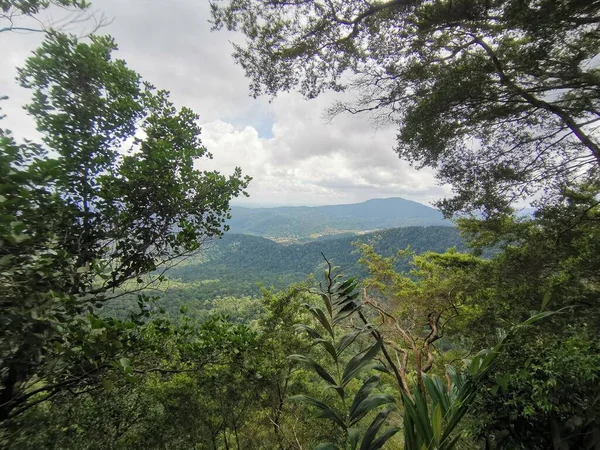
[[340, 299], [502, 105], [500, 97], [24, 15], [93, 207], [432, 426], [235, 265]]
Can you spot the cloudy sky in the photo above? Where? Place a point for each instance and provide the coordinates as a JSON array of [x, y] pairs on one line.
[[294, 155]]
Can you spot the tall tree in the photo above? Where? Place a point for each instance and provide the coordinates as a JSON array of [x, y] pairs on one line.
[[500, 96], [112, 195]]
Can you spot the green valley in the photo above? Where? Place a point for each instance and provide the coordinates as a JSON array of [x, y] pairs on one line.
[[238, 265]]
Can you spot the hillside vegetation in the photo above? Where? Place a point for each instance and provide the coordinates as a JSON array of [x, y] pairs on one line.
[[238, 265]]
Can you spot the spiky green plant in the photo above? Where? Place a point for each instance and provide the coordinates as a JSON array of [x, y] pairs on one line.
[[340, 300], [433, 410], [431, 425]]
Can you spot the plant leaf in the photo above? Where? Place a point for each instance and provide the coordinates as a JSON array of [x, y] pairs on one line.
[[321, 317], [346, 311], [381, 440], [437, 423], [324, 411], [309, 362], [353, 436], [327, 302], [358, 362], [327, 345], [369, 404], [349, 338], [311, 331], [325, 446], [363, 393], [373, 429]]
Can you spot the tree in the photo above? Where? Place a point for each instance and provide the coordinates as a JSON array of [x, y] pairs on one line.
[[543, 391], [189, 380], [416, 309], [111, 197], [433, 407], [500, 97], [277, 340], [20, 15]]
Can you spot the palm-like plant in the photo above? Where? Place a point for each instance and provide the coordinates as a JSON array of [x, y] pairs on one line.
[[431, 425], [340, 300], [433, 408]]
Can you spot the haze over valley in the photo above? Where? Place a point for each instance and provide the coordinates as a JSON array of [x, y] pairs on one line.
[[297, 223]]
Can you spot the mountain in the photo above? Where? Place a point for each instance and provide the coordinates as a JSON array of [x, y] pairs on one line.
[[304, 223], [236, 264]]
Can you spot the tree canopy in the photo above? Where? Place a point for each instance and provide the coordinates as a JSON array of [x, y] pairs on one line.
[[111, 195], [499, 96], [23, 15]]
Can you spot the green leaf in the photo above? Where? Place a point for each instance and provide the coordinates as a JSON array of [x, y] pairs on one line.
[[108, 384], [411, 438], [325, 446], [458, 413], [358, 362], [125, 362], [382, 439], [539, 316], [345, 299], [417, 418], [348, 339], [373, 429], [327, 345], [324, 411], [353, 438], [309, 362], [320, 316], [369, 404], [546, 299], [437, 423], [364, 391], [452, 443], [346, 284], [346, 311], [436, 388], [346, 287], [5, 259], [327, 302], [310, 331]]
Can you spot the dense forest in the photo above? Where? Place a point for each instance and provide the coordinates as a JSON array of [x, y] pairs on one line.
[[239, 266], [126, 323]]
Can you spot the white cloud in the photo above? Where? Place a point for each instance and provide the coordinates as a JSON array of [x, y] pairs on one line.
[[293, 154]]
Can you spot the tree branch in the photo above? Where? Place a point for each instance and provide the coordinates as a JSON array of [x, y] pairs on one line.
[[533, 100]]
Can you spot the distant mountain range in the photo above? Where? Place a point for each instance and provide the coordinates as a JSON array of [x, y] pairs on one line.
[[306, 223]]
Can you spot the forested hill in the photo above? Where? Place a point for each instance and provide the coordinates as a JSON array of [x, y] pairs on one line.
[[235, 264], [300, 223]]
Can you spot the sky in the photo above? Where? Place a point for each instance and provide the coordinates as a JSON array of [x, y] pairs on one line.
[[295, 155]]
